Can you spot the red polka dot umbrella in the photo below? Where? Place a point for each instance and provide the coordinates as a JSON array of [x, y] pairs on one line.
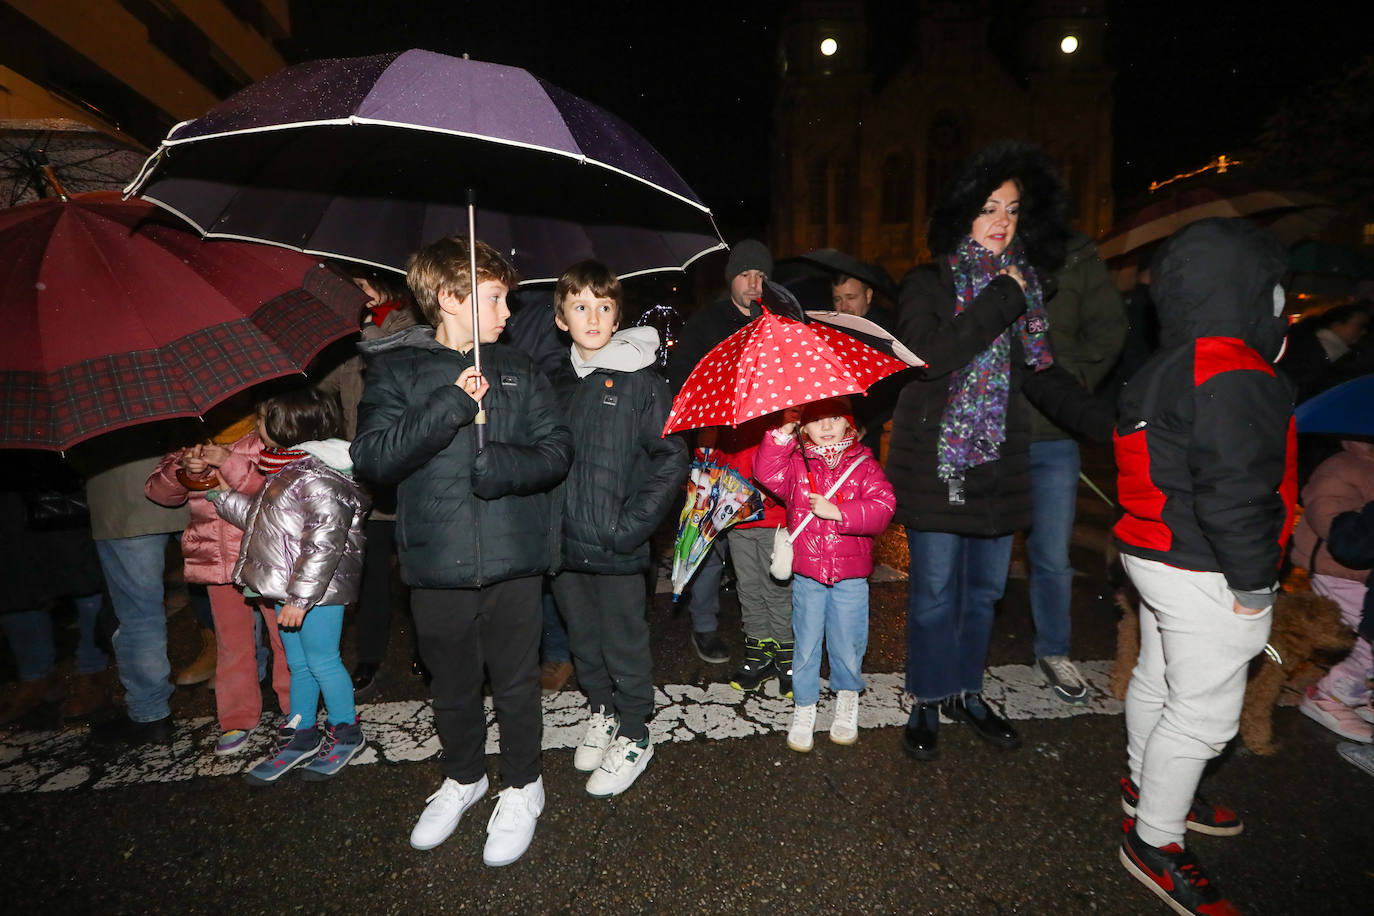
[[771, 364]]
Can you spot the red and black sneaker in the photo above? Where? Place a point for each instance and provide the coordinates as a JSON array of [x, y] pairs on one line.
[[1175, 877], [1203, 816]]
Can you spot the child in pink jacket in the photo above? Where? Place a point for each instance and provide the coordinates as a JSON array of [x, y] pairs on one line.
[[210, 547], [832, 555]]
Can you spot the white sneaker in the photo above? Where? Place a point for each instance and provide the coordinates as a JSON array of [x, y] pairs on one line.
[[601, 731], [444, 810], [512, 823], [845, 728], [800, 737], [620, 766], [1365, 712]]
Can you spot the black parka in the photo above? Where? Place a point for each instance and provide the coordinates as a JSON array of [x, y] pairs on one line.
[[996, 494], [1205, 445], [463, 519], [625, 475]]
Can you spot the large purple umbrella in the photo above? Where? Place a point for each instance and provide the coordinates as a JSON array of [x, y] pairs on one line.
[[370, 158]]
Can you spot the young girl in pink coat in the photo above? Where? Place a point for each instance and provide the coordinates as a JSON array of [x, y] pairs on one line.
[[210, 547], [832, 556]]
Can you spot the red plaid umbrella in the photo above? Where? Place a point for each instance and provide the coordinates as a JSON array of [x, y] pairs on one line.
[[773, 363], [114, 317]]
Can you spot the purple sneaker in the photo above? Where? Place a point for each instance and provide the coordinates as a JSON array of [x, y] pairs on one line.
[[231, 742]]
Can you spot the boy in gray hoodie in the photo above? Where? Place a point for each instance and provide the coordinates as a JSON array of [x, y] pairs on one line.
[[625, 475]]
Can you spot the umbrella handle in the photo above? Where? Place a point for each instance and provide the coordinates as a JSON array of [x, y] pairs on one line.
[[480, 421]]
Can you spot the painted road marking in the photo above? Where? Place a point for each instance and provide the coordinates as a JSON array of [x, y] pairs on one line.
[[56, 761]]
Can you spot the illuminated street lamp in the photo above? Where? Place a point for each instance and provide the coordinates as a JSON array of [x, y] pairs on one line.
[[1068, 44], [829, 46]]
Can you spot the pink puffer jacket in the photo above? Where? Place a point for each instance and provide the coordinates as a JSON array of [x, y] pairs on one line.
[[829, 551], [1342, 483], [210, 545]]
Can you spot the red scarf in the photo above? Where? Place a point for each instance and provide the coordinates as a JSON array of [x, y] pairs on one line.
[[382, 309]]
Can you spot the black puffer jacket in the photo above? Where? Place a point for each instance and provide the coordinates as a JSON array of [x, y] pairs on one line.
[[996, 494], [625, 475], [463, 519], [1205, 447]]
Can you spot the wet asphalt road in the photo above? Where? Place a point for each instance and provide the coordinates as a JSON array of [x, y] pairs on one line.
[[730, 826]]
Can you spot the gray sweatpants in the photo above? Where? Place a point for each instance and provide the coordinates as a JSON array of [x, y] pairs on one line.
[[765, 605]]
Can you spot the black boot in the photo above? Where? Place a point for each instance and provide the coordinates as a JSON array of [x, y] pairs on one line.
[[921, 737], [123, 730], [782, 664], [757, 668], [974, 710]]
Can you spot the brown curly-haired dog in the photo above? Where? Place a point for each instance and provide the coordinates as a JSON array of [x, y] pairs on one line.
[[1305, 625]]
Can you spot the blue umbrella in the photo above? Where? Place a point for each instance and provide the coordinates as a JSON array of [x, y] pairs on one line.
[[1346, 410], [369, 159]]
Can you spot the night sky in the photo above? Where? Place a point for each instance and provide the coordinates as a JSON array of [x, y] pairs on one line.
[[1189, 84]]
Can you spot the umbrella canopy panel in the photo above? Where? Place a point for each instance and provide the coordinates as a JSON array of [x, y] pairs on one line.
[[1162, 219], [770, 364], [371, 158], [83, 159], [1347, 409], [113, 320]]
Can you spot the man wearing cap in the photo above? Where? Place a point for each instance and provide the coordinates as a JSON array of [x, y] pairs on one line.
[[765, 605]]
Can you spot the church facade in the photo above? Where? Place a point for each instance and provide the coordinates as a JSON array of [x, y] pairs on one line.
[[859, 154]]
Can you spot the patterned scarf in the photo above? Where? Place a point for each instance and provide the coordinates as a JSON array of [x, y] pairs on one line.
[[974, 424], [832, 453], [273, 459]]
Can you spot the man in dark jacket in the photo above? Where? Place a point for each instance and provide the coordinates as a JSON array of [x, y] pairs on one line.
[[749, 265], [473, 527], [625, 476], [1087, 329], [1205, 448]]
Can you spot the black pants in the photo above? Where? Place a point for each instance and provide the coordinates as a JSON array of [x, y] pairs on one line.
[[373, 619], [609, 635], [464, 632]]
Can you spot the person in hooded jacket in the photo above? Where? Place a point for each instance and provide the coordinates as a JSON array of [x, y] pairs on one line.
[[1207, 481], [958, 456], [625, 475]]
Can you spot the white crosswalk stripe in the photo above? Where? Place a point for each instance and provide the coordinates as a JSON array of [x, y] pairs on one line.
[[55, 761]]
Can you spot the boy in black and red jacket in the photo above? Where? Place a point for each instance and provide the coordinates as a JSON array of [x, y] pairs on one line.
[[1205, 451]]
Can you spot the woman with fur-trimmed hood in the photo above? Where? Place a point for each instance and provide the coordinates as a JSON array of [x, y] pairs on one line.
[[959, 453]]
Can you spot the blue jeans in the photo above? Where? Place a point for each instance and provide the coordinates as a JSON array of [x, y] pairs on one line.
[[312, 654], [839, 614], [703, 603], [553, 643], [30, 637], [1054, 492], [133, 573], [954, 584]]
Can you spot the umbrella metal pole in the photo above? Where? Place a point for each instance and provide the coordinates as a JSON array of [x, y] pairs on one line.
[[480, 421]]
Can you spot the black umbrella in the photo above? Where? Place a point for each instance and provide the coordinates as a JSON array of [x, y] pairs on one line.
[[369, 159], [80, 158], [830, 261]]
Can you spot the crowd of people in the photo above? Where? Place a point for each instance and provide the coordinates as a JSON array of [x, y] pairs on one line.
[[520, 487]]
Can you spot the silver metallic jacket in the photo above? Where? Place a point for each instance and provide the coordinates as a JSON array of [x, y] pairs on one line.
[[303, 535]]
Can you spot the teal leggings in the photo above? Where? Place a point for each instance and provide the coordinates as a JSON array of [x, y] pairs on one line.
[[312, 653]]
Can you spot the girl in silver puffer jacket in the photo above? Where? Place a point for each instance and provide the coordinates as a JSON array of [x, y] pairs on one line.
[[302, 548]]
